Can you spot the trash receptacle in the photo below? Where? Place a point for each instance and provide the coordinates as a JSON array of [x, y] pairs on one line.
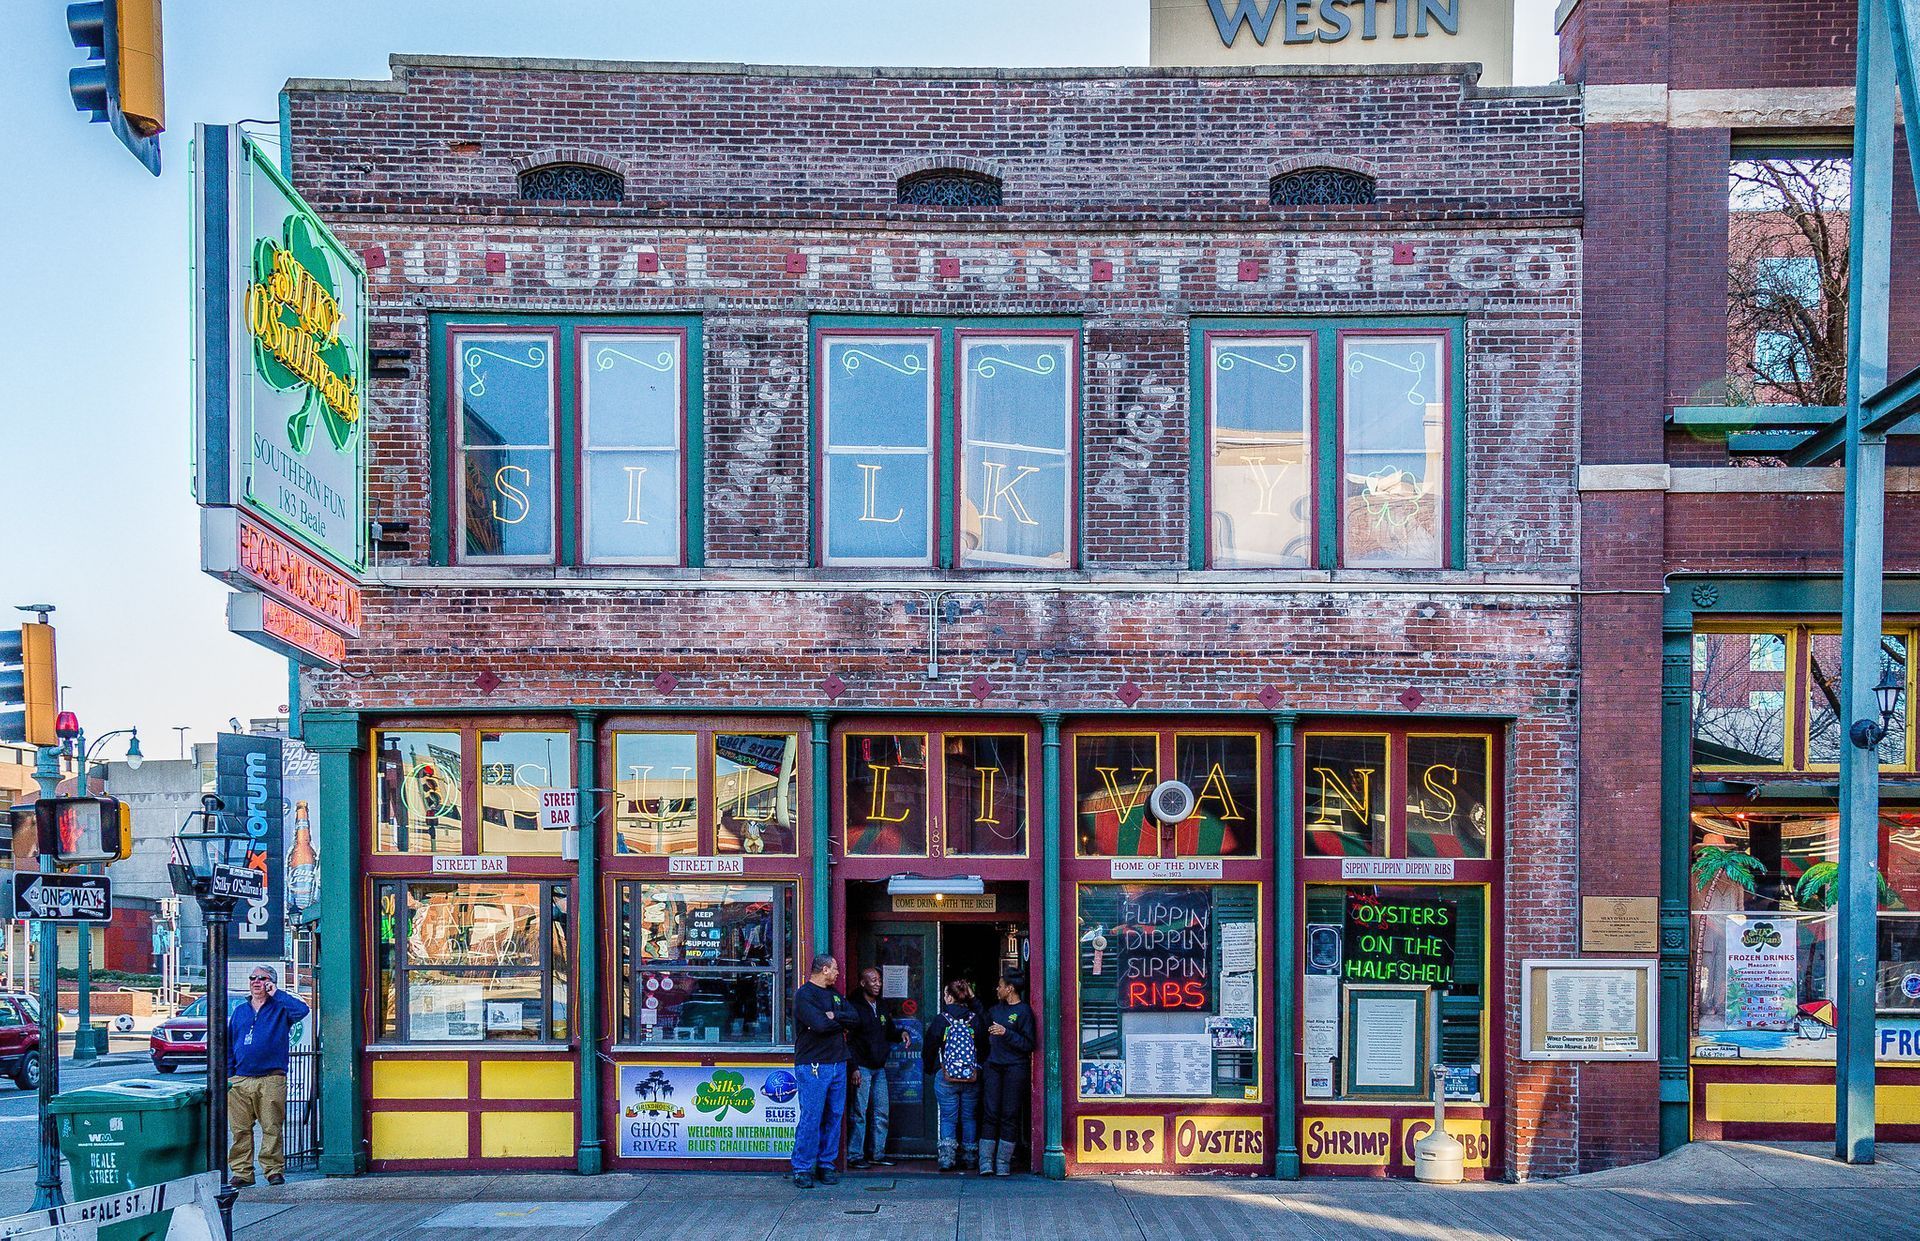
[[123, 1135]]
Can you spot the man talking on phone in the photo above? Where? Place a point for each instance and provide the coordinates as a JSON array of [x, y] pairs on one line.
[[259, 1035]]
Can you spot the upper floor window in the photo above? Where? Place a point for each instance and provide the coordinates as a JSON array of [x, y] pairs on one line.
[[1401, 793], [572, 442], [1787, 287], [707, 788], [1328, 444], [956, 188], [1113, 772], [1767, 696], [572, 183], [1321, 187], [426, 799], [969, 463]]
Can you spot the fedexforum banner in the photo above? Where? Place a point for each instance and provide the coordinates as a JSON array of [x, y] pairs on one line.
[[279, 390], [247, 779], [1336, 32]]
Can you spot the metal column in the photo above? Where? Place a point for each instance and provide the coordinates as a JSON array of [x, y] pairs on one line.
[[1054, 1161], [589, 1157]]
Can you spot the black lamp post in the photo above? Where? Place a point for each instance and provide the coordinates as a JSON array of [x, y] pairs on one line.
[[203, 867], [1867, 734]]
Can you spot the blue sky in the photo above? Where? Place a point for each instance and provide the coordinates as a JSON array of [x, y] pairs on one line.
[[94, 410]]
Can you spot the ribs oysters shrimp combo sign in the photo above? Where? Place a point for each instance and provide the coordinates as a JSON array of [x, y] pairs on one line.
[[279, 386]]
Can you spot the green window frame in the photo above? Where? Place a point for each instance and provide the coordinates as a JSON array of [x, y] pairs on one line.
[[573, 456], [1324, 449], [947, 509]]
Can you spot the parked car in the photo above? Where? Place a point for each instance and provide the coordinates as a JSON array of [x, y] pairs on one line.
[[20, 1039], [181, 1038]]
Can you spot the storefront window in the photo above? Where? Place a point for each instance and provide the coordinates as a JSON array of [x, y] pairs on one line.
[[1825, 678], [1740, 699], [756, 792], [656, 793], [1259, 410], [986, 794], [1449, 795], [1170, 991], [515, 769], [1223, 770], [1765, 888], [704, 963], [417, 792], [472, 962], [886, 794], [1346, 794], [1112, 776], [1391, 972], [1393, 397]]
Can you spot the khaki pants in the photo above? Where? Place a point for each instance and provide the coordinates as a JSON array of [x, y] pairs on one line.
[[249, 1099]]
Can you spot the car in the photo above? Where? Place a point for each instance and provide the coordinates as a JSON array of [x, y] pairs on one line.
[[20, 1039], [181, 1038]]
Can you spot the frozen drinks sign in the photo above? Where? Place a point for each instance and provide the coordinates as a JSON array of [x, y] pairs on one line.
[[280, 354], [738, 1111]]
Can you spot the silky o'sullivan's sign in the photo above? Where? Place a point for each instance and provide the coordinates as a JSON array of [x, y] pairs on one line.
[[279, 354]]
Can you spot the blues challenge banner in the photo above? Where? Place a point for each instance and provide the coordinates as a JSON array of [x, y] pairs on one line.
[[247, 778], [738, 1111]]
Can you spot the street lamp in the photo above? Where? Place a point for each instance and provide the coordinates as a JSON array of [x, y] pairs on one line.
[[1867, 734], [203, 867]]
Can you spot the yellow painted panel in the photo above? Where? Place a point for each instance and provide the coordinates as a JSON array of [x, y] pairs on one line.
[[1123, 1139], [526, 1079], [419, 1135], [419, 1079], [526, 1135], [1803, 1103]]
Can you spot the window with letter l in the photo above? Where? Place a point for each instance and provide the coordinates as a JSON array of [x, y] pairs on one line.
[[948, 445]]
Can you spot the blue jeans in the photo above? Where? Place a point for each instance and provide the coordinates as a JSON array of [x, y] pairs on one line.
[[870, 1097], [823, 1098], [957, 1105]]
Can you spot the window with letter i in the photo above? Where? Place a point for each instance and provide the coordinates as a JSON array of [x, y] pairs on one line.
[[1400, 839]]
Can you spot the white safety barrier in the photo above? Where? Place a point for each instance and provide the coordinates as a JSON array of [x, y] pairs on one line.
[[196, 1215]]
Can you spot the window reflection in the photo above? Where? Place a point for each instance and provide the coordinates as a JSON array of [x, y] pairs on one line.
[[756, 792], [1346, 795], [1740, 699], [1112, 777], [656, 793], [417, 792], [986, 795], [1394, 398], [515, 769], [886, 793], [1260, 400]]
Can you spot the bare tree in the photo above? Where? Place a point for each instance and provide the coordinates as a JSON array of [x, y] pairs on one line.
[[1789, 207]]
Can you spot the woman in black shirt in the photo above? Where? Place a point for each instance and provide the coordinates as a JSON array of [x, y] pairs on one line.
[[1012, 1035]]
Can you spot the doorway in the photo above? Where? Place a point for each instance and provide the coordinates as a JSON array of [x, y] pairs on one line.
[[916, 960]]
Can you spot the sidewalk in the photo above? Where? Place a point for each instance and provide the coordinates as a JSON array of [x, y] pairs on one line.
[[1705, 1190]]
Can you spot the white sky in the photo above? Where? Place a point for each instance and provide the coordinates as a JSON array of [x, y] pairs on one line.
[[94, 407]]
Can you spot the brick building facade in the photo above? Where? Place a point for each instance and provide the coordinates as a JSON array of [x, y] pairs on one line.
[[1697, 542], [1285, 509]]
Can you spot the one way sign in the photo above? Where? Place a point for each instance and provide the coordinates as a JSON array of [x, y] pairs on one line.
[[63, 898]]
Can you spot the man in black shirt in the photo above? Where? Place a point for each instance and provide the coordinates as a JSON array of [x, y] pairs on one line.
[[821, 1019], [870, 1040]]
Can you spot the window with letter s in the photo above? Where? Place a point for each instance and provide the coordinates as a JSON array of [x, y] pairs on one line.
[[571, 441], [948, 445]]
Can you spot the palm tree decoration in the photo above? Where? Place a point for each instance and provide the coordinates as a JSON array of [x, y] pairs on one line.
[[1820, 885], [1736, 866]]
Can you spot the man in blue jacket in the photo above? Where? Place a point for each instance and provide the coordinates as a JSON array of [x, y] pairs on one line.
[[821, 1020], [258, 1038]]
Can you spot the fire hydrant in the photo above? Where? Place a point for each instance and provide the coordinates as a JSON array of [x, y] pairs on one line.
[[1438, 1158]]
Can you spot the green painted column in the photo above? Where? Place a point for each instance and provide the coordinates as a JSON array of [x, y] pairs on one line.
[[822, 895], [335, 737], [1676, 832], [1286, 952], [1054, 1160], [589, 1159]]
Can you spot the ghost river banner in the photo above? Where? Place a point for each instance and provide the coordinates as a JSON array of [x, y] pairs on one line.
[[726, 1111]]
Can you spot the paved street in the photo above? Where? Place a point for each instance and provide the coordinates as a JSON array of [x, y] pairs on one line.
[[17, 1107], [1717, 1190]]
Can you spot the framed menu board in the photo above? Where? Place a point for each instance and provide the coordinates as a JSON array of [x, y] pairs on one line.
[[1589, 1009], [1386, 1041]]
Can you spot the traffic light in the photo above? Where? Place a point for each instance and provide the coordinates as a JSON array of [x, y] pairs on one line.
[[126, 88], [28, 685], [78, 829]]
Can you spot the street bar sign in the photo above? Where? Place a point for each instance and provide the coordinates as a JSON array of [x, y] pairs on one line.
[[280, 340], [62, 898]]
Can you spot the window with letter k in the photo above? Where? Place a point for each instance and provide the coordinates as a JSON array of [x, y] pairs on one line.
[[947, 445]]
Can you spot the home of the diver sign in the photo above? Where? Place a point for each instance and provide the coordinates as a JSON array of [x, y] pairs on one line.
[[1336, 32]]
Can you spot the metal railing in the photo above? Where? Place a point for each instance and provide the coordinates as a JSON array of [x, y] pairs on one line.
[[301, 1137]]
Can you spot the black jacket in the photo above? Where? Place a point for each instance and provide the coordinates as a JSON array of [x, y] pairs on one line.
[[1022, 1033], [955, 1021], [871, 1033], [820, 1020]]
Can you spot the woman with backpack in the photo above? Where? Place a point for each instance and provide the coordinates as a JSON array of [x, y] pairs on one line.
[[1012, 1034], [951, 1053]]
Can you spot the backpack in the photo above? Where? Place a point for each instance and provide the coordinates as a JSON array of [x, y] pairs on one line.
[[959, 1058]]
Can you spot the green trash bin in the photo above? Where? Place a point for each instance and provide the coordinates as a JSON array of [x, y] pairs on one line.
[[124, 1135]]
